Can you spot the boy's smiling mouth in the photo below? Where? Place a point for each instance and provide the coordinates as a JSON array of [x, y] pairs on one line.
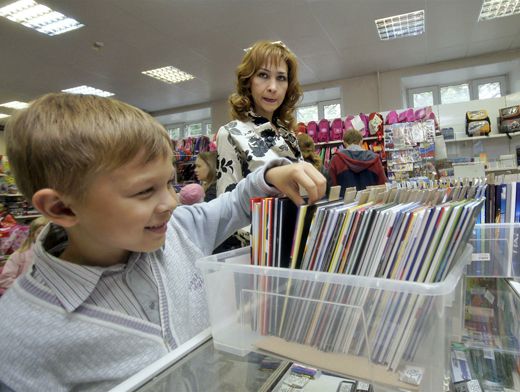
[[158, 229]]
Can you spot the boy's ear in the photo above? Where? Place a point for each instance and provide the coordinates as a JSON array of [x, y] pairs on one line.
[[51, 204]]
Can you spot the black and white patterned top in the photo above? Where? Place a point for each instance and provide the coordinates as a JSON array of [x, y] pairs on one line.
[[242, 147]]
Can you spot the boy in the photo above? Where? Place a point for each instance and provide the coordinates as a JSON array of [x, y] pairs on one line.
[[355, 166], [114, 286]]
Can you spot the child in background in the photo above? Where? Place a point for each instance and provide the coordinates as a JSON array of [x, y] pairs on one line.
[[114, 285], [21, 260], [308, 150], [191, 194], [206, 172]]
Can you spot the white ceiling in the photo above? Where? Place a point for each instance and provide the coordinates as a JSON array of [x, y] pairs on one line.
[[333, 39]]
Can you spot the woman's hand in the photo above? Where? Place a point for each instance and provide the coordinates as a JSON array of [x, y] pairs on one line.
[[289, 178]]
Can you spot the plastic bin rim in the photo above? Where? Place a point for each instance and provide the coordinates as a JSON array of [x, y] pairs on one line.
[[447, 286]]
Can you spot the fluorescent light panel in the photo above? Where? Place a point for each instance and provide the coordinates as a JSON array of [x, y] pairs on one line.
[[87, 90], [39, 17], [169, 75], [492, 9], [4, 115], [399, 26], [15, 105]]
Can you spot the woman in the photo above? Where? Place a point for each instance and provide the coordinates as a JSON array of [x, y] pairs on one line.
[[205, 170], [262, 109]]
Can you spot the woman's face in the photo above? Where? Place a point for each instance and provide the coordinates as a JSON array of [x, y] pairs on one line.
[[268, 88], [201, 169]]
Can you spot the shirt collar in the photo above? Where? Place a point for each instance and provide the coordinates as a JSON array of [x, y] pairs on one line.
[[71, 283]]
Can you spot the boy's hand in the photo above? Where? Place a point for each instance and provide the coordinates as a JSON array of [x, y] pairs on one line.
[[288, 179]]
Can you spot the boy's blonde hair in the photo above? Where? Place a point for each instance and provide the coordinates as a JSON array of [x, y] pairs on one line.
[[352, 136], [266, 52], [61, 141]]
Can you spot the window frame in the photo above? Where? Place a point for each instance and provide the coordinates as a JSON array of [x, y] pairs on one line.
[[320, 105]]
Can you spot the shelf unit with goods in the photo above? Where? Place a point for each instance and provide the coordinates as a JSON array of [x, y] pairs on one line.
[[487, 348], [496, 151], [185, 155]]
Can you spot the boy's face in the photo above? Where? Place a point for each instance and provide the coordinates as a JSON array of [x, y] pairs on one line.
[[125, 210]]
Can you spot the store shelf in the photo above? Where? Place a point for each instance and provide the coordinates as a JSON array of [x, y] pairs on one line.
[[474, 138], [334, 142], [502, 169], [11, 195]]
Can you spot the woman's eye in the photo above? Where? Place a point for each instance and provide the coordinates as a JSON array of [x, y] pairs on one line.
[[282, 78], [263, 75]]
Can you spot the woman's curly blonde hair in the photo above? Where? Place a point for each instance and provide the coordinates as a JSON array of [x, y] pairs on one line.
[[261, 53]]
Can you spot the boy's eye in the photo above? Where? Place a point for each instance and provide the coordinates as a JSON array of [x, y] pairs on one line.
[[145, 192], [171, 183]]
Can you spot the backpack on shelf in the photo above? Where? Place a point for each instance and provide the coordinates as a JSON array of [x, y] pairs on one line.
[[375, 124], [392, 118], [477, 123], [312, 130], [336, 129], [509, 119], [301, 128], [355, 122], [323, 131], [407, 115]]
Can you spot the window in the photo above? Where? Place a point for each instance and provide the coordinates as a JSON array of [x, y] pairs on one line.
[[493, 87], [423, 96], [454, 94], [194, 129], [324, 109], [307, 113], [174, 131]]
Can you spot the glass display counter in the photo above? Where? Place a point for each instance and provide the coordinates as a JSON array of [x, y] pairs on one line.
[[199, 366]]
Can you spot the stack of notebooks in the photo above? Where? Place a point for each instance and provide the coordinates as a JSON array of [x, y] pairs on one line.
[[394, 234]]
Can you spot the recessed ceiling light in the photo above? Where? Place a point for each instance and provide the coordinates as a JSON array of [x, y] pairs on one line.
[[39, 17], [169, 75], [4, 115], [15, 105], [492, 9], [273, 42], [398, 26], [87, 90]]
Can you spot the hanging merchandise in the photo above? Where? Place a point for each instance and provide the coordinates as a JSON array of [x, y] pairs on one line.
[[392, 117], [477, 123], [410, 149]]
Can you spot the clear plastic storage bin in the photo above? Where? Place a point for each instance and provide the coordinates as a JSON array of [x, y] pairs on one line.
[[394, 334], [496, 250]]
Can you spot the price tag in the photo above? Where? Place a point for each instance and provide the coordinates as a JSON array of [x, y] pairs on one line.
[[480, 257]]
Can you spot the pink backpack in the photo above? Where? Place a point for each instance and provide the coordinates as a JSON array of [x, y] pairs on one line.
[[336, 129], [312, 130], [323, 130], [407, 115], [392, 118], [354, 122], [364, 131]]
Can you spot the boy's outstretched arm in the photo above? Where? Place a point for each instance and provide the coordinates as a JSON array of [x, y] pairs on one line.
[[289, 178], [211, 223]]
